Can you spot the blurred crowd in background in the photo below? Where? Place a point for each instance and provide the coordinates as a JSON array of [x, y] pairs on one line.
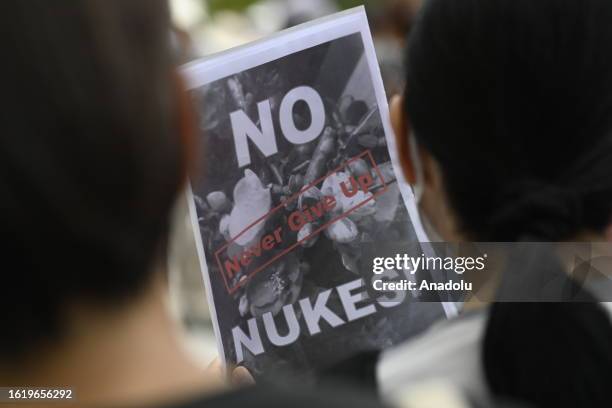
[[204, 27]]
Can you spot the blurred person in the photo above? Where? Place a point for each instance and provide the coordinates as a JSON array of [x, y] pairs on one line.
[[389, 21], [392, 18], [95, 150], [505, 132]]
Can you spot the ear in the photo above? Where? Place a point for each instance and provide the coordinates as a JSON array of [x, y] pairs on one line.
[[401, 129]]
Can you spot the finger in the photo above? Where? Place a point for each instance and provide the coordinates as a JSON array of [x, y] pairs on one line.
[[241, 377], [216, 368]]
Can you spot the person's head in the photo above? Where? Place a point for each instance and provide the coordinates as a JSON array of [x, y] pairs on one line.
[[91, 158], [510, 104], [506, 129]]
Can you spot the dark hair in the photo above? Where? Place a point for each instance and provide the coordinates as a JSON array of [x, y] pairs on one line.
[[514, 100], [90, 161], [550, 354]]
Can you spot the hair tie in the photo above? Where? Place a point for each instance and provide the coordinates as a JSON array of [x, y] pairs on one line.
[[542, 210]]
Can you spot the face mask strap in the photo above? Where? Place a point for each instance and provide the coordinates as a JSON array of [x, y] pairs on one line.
[[418, 189], [419, 185]]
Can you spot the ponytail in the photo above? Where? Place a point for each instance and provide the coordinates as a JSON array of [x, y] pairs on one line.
[[549, 354], [548, 341]]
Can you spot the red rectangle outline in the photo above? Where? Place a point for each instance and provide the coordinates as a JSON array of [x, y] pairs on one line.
[[233, 290]]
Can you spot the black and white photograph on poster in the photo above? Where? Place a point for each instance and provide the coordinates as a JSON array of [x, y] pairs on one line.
[[295, 182]]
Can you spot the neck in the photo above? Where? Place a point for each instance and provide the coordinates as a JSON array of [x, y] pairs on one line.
[[129, 356]]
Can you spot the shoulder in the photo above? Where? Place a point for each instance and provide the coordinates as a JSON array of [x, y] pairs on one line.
[[450, 350]]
